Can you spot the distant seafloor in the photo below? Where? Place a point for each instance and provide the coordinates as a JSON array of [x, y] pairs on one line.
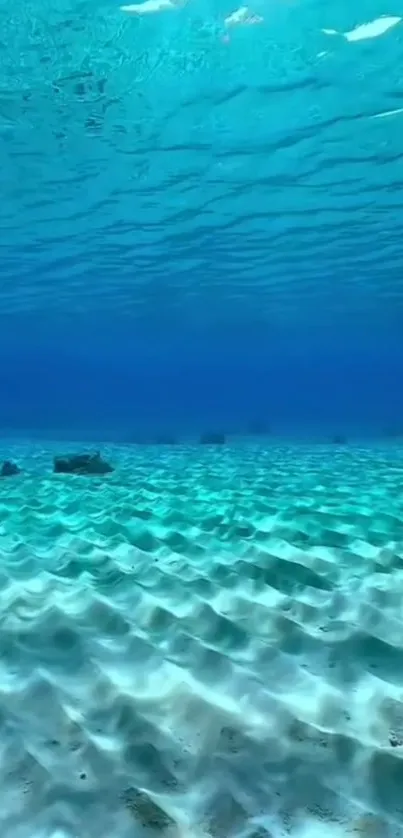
[[207, 641]]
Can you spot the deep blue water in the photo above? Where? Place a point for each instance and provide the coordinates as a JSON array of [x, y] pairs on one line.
[[118, 386], [200, 224]]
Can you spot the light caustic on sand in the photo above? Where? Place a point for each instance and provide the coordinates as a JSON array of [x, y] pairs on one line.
[[204, 642]]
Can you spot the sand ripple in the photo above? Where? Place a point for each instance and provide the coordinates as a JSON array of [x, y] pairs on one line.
[[203, 643]]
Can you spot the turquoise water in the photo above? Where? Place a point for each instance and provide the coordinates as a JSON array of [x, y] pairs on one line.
[[200, 232], [200, 218], [207, 641], [176, 171]]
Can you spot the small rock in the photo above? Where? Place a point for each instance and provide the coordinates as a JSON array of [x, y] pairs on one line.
[[81, 464], [212, 438], [395, 741], [9, 469]]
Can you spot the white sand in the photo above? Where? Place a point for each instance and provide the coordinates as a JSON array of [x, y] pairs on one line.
[[204, 642]]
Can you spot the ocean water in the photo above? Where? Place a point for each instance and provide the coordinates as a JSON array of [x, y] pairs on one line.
[[179, 167], [200, 233]]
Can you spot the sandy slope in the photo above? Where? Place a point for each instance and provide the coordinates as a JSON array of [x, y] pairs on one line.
[[203, 642]]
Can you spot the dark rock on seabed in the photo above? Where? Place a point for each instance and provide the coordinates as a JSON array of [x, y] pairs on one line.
[[91, 463], [9, 469]]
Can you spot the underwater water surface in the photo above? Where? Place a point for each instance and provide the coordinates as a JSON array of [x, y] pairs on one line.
[[202, 165]]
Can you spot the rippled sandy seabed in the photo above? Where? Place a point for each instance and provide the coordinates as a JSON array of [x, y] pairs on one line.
[[205, 642]]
